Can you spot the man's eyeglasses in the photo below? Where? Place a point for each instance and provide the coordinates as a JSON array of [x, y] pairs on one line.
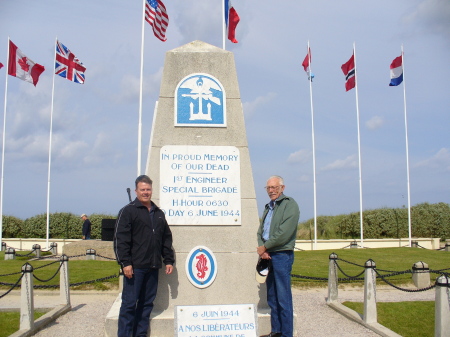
[[275, 188]]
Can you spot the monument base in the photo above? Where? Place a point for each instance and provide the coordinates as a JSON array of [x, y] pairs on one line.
[[103, 248], [163, 325]]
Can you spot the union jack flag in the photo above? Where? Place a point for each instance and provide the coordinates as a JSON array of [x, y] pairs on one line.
[[156, 16], [67, 65]]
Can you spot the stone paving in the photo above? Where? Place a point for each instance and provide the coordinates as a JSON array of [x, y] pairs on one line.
[[314, 317]]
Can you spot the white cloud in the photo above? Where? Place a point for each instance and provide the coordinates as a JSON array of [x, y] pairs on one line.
[[301, 156], [433, 16], [441, 160], [349, 162], [130, 86], [375, 123], [251, 107]]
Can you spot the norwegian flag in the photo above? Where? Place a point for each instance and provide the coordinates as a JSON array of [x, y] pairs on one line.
[[67, 65], [348, 68], [156, 16]]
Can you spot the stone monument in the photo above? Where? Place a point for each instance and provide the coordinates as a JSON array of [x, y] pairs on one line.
[[199, 162]]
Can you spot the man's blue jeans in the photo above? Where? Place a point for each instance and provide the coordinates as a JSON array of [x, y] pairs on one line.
[[279, 294], [138, 295]]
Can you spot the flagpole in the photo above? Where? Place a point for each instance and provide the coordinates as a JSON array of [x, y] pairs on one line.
[[407, 150], [3, 147], [50, 151], [359, 152], [140, 92], [313, 148], [223, 24]]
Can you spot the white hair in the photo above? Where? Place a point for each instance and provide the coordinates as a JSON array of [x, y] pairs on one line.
[[280, 179]]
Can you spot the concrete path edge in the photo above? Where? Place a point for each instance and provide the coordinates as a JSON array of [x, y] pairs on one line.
[[356, 317], [44, 320]]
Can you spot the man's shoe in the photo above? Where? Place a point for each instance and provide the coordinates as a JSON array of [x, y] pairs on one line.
[[272, 334]]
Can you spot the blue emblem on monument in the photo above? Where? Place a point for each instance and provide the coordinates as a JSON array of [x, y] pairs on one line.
[[200, 101]]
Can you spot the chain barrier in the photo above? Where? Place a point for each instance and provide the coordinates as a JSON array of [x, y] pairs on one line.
[[352, 277], [57, 271], [13, 285], [105, 257], [45, 265], [440, 271], [23, 255], [93, 281], [49, 286], [403, 289], [48, 257], [311, 277], [355, 264], [11, 274]]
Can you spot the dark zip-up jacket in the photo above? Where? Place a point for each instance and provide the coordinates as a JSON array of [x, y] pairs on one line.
[[86, 228], [142, 238]]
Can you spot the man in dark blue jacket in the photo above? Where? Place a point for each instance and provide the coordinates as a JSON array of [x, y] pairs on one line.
[[142, 241], [86, 227]]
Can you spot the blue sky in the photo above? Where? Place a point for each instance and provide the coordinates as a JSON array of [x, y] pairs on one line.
[[94, 143]]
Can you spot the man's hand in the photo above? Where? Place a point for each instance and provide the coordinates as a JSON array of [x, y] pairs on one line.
[[169, 269], [265, 256], [261, 250], [84, 237], [128, 271]]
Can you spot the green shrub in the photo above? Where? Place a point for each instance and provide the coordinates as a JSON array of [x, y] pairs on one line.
[[62, 226], [427, 220], [12, 227]]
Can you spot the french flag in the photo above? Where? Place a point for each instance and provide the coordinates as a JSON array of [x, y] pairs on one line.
[[396, 71], [231, 20]]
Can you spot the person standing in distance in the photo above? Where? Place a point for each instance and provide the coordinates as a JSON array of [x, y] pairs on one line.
[[86, 231], [276, 240], [142, 242]]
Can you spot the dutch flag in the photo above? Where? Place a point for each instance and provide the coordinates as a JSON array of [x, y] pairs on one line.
[[396, 71]]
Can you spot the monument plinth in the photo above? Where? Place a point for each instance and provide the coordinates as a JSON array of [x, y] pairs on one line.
[[202, 178]]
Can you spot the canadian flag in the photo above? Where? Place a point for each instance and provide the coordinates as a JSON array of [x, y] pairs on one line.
[[20, 66]]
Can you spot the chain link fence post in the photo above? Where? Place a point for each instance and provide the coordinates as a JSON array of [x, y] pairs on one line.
[[442, 307], [37, 250], [90, 254], [54, 248], [370, 301], [26, 298], [421, 275], [332, 279], [10, 254], [64, 280]]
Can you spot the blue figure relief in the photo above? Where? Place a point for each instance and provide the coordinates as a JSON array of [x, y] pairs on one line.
[[200, 102]]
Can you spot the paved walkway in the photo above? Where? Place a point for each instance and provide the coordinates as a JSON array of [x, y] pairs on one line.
[[315, 318]]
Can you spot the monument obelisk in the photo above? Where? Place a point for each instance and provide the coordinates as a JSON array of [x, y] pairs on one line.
[[199, 162]]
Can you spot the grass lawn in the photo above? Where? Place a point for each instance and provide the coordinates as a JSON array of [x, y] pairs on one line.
[[315, 263], [10, 321], [409, 319], [307, 263], [79, 271]]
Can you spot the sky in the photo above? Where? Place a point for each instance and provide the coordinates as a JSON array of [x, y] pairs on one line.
[[94, 139]]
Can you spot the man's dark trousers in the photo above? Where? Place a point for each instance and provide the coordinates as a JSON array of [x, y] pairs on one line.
[[138, 295], [279, 294]]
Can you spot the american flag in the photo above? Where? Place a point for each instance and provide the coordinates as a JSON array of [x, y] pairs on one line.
[[67, 65], [156, 16]]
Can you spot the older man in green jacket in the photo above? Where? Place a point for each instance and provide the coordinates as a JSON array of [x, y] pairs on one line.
[[276, 240]]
